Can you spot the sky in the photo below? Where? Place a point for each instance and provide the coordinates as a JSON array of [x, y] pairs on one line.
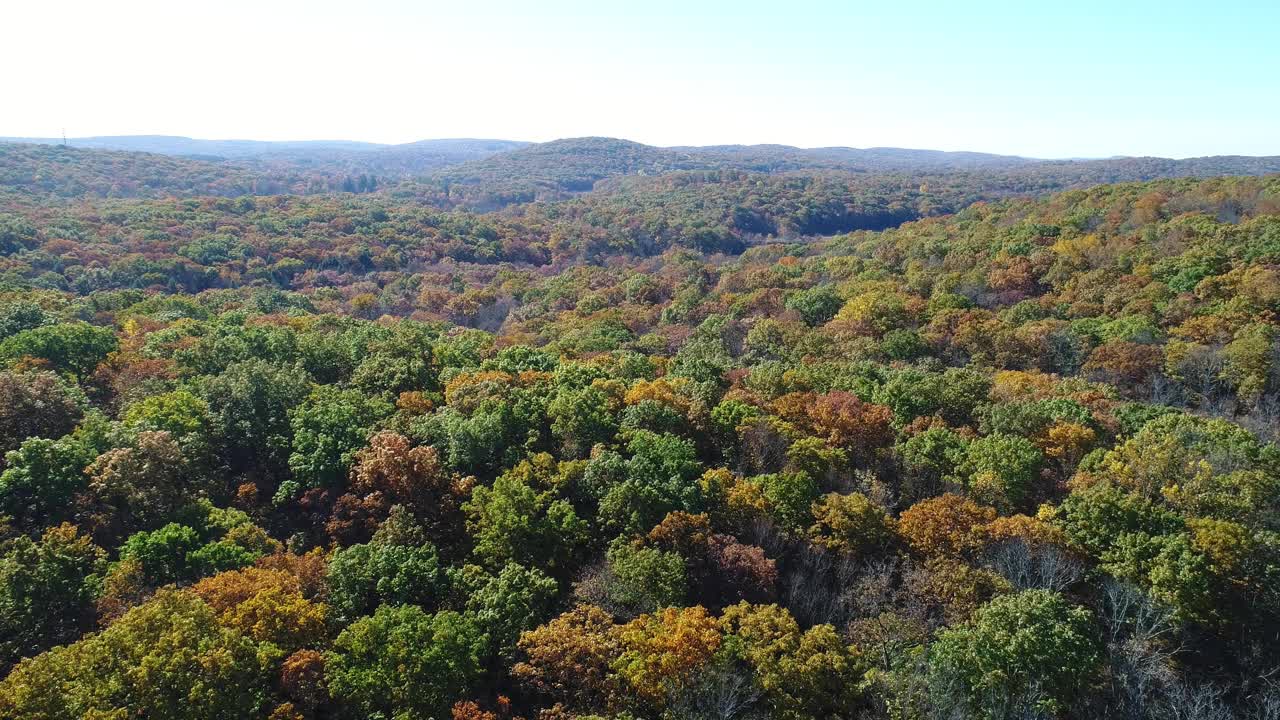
[[1062, 79]]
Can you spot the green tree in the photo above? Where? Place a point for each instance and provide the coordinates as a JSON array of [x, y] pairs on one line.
[[513, 522], [790, 497], [402, 362], [1097, 516], [1032, 644], [75, 348], [22, 315], [1001, 469], [181, 413], [405, 663], [249, 404], [930, 456], [165, 554], [580, 419], [513, 601], [816, 305], [1173, 571], [329, 427], [363, 577], [42, 478], [643, 579], [636, 493], [47, 589], [16, 233], [803, 673]]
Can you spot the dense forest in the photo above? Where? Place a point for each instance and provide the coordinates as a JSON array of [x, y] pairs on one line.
[[648, 434]]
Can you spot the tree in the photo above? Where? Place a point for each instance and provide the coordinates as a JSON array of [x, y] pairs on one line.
[[403, 362], [17, 233], [138, 486], [1096, 516], [302, 679], [719, 569], [570, 659], [951, 587], [42, 478], [704, 358], [1198, 466], [636, 493], [945, 525], [168, 659], [637, 579], [37, 404], [181, 413], [507, 604], [47, 589], [404, 662], [1030, 644], [814, 457], [789, 497], [844, 420], [513, 522], [849, 523], [1001, 469], [1171, 568], [249, 404], [75, 348], [1251, 361], [329, 427], [21, 315], [363, 577], [810, 673], [663, 651], [736, 572], [1127, 365], [931, 455], [412, 475], [876, 311], [580, 419], [266, 605], [816, 305], [165, 554]]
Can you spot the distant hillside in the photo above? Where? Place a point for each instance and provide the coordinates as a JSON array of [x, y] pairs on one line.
[[300, 166], [564, 168], [552, 170], [76, 172], [487, 175], [179, 145], [1061, 174], [390, 162], [773, 158]]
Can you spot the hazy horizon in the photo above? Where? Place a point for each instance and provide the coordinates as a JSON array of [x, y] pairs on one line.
[[357, 141], [1087, 80]]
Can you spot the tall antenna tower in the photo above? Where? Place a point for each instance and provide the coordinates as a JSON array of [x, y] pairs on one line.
[[64, 137]]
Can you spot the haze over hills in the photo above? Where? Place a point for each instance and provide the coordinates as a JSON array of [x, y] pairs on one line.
[[180, 145], [282, 166]]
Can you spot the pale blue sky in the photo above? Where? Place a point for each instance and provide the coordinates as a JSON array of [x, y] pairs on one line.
[[1050, 80]]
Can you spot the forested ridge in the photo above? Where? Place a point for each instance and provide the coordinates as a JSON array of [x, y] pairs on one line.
[[659, 438]]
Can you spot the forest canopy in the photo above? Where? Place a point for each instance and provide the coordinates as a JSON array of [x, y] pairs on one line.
[[690, 433]]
